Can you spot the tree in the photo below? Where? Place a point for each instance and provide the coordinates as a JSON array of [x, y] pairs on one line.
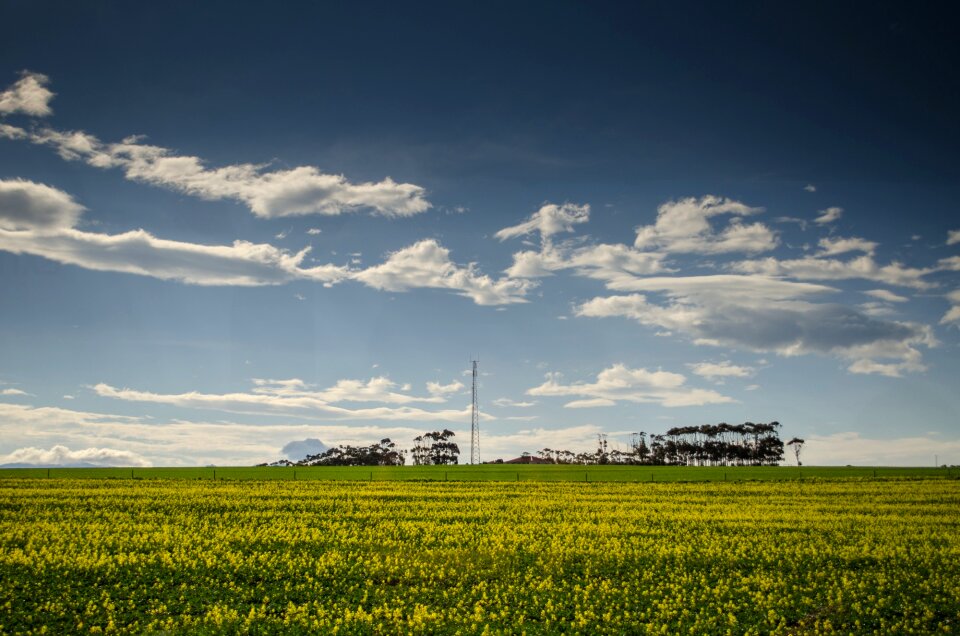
[[383, 453], [435, 448], [797, 444]]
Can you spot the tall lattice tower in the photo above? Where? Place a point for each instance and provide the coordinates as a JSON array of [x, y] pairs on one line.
[[474, 421]]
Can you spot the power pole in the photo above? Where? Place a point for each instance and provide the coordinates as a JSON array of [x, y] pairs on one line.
[[474, 421]]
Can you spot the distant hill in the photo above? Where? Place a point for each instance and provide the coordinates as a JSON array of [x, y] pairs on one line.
[[299, 449]]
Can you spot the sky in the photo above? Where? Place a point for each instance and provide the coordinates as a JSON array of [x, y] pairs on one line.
[[227, 227]]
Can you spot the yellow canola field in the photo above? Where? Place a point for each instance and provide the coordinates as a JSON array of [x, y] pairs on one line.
[[860, 557]]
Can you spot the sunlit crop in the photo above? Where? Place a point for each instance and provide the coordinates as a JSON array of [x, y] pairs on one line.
[[411, 557]]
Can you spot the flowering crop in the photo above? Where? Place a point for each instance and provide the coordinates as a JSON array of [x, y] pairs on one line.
[[455, 557]]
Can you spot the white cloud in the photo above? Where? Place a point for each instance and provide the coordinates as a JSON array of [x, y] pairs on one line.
[[684, 226], [718, 371], [810, 187], [953, 237], [854, 449], [829, 215], [13, 392], [295, 398], [38, 220], [886, 296], [951, 263], [816, 268], [550, 219], [589, 403], [139, 252], [268, 194], [29, 206], [314, 231], [428, 264], [297, 191], [29, 95], [437, 389], [953, 314], [507, 402], [621, 383], [63, 456], [768, 315], [179, 442], [832, 246]]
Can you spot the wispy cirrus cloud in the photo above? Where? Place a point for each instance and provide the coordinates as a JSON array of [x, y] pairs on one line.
[[296, 398], [820, 268]]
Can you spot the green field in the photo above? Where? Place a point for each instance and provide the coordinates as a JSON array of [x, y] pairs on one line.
[[491, 472], [860, 556]]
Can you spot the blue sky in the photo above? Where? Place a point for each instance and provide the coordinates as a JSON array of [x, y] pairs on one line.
[[226, 228]]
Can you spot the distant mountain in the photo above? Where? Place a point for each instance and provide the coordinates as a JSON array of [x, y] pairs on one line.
[[298, 450]]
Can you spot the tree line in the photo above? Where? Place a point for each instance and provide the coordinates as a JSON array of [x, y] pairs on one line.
[[723, 444], [430, 449]]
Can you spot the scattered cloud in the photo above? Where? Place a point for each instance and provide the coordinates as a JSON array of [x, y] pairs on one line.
[[314, 231], [684, 226], [953, 237], [810, 187], [829, 215], [620, 383], [267, 193], [38, 220], [769, 315], [14, 392], [29, 95]]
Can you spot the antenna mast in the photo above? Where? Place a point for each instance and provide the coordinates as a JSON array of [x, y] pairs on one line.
[[474, 421]]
